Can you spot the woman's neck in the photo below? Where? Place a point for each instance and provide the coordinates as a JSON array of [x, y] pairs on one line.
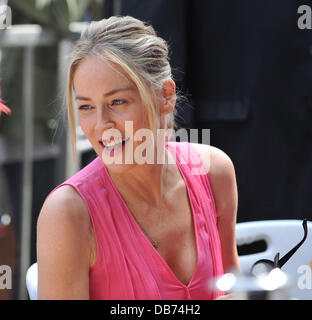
[[147, 183], [143, 183]]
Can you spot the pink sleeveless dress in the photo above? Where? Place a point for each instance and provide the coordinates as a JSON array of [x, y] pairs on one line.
[[128, 267]]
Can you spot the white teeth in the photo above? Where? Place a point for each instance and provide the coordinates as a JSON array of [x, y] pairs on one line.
[[112, 143]]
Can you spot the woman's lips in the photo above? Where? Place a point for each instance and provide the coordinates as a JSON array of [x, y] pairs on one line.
[[115, 149]]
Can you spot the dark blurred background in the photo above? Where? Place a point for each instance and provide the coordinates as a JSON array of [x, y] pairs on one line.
[[244, 65]]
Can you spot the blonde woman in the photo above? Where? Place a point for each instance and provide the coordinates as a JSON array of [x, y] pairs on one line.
[[134, 229]]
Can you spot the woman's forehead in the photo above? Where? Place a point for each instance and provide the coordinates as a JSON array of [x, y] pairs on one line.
[[93, 71]]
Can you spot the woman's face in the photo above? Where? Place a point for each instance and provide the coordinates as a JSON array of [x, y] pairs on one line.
[[109, 111]]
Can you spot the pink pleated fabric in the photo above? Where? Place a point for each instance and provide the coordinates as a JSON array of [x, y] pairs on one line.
[[128, 267]]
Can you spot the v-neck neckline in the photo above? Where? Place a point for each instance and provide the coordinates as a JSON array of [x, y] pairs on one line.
[[146, 240]]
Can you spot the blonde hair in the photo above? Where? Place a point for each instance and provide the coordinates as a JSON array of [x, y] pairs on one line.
[[133, 46]]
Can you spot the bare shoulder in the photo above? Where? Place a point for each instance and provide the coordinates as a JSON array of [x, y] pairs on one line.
[[216, 161], [64, 214], [64, 205], [222, 176]]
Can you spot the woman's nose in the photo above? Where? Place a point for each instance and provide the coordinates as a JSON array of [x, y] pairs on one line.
[[103, 121]]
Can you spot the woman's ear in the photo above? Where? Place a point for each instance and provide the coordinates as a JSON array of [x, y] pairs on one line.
[[169, 97]]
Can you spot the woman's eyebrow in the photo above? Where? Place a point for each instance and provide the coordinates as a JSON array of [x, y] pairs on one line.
[[116, 90], [106, 94], [81, 98]]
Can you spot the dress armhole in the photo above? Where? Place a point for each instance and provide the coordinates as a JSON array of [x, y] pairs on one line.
[[204, 177]]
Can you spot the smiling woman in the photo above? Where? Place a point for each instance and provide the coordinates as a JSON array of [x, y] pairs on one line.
[[133, 49], [134, 230]]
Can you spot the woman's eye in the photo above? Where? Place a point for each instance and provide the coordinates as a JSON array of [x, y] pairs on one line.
[[85, 107], [117, 102]]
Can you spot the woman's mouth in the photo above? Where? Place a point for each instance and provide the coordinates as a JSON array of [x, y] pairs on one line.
[[113, 147]]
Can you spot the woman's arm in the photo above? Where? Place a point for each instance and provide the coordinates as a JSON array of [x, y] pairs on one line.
[[223, 181], [63, 246]]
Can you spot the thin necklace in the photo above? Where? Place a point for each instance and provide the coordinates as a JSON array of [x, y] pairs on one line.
[[154, 243]]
